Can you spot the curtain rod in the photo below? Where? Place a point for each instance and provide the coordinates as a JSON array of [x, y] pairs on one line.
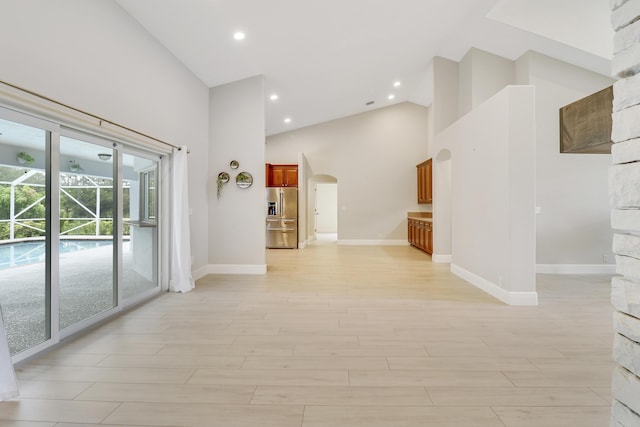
[[100, 119]]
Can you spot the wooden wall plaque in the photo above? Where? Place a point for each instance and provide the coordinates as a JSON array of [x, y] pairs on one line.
[[585, 125]]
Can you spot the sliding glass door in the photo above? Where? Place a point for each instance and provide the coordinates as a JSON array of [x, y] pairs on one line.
[[87, 211], [140, 229], [79, 229], [24, 288]]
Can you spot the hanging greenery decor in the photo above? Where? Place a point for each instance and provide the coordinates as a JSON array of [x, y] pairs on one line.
[[223, 178], [25, 158], [74, 166]]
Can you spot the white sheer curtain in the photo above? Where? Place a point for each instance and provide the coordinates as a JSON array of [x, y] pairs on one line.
[[181, 279], [8, 383]]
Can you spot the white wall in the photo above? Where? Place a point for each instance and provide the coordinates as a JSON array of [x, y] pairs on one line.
[[492, 195], [304, 170], [95, 57], [573, 227], [482, 75], [441, 182], [445, 94], [373, 157], [237, 218], [568, 185]]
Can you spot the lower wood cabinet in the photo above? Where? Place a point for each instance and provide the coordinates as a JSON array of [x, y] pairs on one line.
[[420, 234]]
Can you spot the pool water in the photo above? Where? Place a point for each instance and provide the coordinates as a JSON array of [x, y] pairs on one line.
[[25, 253]]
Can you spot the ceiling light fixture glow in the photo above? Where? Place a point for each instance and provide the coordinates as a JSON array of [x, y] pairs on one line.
[[273, 97], [239, 35], [397, 83], [287, 120], [390, 97]]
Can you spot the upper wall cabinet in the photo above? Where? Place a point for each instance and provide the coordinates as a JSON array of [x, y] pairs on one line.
[[281, 175], [425, 187]]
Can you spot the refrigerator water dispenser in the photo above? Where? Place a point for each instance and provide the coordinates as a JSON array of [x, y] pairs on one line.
[[271, 208]]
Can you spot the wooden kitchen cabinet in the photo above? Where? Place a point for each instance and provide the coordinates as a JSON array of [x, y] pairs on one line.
[[425, 184], [420, 234], [281, 175], [411, 231], [428, 238]]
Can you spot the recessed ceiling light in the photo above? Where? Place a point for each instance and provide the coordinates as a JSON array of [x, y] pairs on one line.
[[239, 35], [390, 97], [287, 120], [397, 84], [273, 97]]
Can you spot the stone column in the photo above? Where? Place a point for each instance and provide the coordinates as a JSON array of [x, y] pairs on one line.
[[624, 190]]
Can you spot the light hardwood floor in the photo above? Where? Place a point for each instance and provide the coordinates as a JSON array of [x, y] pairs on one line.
[[335, 336]]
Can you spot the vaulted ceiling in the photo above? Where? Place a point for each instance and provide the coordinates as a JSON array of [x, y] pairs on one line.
[[327, 59]]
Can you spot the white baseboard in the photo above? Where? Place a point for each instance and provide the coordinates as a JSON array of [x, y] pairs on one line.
[[199, 273], [372, 242], [576, 268], [508, 297], [441, 259], [302, 245], [230, 269]]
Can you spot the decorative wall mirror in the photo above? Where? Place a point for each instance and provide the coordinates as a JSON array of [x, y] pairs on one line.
[[244, 180], [223, 177]]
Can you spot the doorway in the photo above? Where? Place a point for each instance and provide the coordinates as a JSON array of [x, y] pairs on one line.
[[322, 209], [326, 212]]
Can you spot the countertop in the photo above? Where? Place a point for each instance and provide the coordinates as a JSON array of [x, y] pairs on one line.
[[420, 216]]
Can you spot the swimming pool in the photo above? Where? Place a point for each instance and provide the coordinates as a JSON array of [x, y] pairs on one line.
[[24, 253]]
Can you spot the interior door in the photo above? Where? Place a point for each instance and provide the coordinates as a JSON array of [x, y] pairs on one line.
[[327, 204]]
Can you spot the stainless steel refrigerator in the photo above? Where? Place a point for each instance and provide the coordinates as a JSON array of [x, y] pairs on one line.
[[282, 217]]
